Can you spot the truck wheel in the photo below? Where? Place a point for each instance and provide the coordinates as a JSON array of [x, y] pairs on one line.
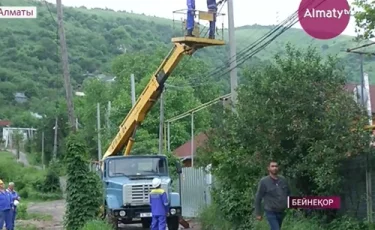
[[173, 223], [146, 223]]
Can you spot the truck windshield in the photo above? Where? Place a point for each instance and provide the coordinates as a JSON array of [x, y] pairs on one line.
[[137, 167]]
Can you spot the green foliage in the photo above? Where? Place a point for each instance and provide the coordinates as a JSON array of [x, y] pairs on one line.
[[31, 183], [291, 111], [211, 218], [84, 192], [365, 17], [96, 225]]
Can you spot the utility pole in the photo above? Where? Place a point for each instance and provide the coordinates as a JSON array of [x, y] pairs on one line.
[[368, 159], [55, 138], [65, 62], [233, 57], [108, 117], [43, 165], [192, 140], [99, 137], [161, 125], [132, 82]]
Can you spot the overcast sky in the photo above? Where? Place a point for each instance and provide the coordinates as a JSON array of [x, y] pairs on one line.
[[247, 12]]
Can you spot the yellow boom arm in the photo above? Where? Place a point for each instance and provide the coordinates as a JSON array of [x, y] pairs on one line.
[[127, 129]]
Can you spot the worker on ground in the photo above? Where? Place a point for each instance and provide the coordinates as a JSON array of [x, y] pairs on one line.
[[5, 205], [15, 198], [274, 190], [212, 7], [159, 206]]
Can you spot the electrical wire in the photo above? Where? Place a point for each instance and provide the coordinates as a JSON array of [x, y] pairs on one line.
[[250, 50]]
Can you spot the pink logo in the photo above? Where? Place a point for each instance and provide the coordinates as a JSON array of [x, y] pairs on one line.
[[314, 202], [324, 19]]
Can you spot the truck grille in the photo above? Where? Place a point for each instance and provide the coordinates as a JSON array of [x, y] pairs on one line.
[[137, 194]]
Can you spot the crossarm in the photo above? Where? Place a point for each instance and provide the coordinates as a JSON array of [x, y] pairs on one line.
[[147, 99]]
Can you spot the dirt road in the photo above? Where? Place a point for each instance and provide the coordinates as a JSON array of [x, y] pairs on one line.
[[57, 209]]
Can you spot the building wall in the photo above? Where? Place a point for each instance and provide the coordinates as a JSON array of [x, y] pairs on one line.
[[187, 163]]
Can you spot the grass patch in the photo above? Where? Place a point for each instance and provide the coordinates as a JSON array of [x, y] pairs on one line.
[[211, 218], [22, 214], [96, 225]]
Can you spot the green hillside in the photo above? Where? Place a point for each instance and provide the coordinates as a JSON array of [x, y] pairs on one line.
[[30, 54]]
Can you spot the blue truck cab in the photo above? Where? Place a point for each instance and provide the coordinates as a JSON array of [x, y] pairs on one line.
[[127, 184]]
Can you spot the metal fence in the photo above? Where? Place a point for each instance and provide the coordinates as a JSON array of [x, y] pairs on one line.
[[195, 191]]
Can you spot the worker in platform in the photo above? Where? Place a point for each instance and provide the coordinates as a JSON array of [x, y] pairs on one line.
[[159, 206], [212, 7], [190, 17]]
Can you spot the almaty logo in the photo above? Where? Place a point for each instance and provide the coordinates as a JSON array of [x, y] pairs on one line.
[[324, 19]]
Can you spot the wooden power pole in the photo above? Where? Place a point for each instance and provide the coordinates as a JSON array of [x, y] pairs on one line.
[[65, 62]]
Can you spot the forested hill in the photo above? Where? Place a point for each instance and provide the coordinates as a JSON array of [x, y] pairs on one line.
[[30, 62]]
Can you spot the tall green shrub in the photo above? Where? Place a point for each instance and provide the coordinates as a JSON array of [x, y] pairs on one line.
[[84, 192]]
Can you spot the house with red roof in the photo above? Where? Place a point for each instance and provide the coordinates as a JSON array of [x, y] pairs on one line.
[[184, 151]]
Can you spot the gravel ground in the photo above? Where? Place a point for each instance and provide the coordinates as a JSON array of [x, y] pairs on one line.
[[57, 209]]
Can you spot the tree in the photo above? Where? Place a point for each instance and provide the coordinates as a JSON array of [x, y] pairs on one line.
[[84, 191], [365, 17], [17, 137], [296, 112]]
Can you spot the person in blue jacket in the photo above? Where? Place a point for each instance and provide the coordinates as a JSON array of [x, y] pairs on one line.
[[190, 17], [159, 206], [212, 7], [15, 198], [5, 206]]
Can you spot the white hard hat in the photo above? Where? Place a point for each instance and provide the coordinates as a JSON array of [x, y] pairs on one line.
[[16, 202], [156, 182]]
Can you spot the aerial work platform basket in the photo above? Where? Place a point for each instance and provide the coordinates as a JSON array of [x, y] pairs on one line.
[[200, 38]]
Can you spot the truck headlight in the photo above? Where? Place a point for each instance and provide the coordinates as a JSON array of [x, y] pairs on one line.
[[173, 211], [122, 213]]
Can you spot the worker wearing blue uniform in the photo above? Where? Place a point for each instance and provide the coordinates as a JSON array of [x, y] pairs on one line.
[[159, 206], [212, 7], [14, 202], [190, 17], [5, 206]]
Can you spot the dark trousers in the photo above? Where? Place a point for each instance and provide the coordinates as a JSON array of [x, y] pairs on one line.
[[275, 219]]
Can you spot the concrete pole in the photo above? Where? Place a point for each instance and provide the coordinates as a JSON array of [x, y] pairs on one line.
[[161, 124], [233, 57], [43, 164], [55, 138], [98, 127], [169, 137], [132, 82], [108, 115], [65, 62], [192, 140], [368, 159]]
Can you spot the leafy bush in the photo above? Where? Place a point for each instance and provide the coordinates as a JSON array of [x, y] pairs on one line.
[[210, 218], [96, 225]]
